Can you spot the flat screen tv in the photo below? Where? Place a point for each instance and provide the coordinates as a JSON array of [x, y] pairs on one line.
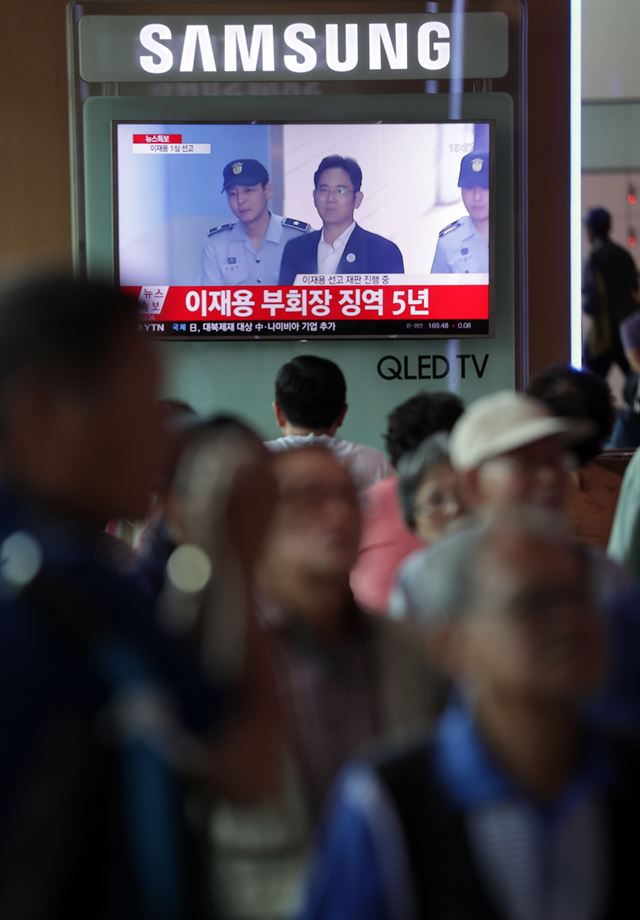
[[305, 230]]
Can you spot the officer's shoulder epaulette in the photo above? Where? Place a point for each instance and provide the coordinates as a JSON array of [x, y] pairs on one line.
[[452, 226], [219, 229], [295, 224]]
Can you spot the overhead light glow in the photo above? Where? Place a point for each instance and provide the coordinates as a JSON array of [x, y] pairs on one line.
[[576, 182]]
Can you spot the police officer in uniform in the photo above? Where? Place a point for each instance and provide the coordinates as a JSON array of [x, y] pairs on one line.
[[249, 249], [463, 246]]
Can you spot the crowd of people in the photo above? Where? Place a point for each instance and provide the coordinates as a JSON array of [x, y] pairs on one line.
[[321, 682]]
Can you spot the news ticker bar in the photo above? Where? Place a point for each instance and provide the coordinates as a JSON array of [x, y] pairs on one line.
[[293, 329], [396, 304]]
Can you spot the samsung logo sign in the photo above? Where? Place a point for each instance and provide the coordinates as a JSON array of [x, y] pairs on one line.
[[300, 48]]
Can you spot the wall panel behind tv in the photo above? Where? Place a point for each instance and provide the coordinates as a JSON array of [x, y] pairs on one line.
[[34, 147]]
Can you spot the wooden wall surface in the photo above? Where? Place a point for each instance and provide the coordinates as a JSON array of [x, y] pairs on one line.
[[548, 102], [34, 148]]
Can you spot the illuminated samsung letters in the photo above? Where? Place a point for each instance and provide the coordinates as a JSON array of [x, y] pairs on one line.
[[305, 57], [260, 52], [301, 49], [161, 58]]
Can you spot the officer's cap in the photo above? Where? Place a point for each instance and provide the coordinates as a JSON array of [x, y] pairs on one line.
[[474, 170], [243, 172]]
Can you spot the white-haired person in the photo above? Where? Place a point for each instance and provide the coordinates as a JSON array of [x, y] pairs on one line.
[[432, 506]]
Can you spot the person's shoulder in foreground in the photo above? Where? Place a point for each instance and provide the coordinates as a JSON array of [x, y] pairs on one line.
[[420, 588], [408, 796], [410, 826], [617, 708], [464, 821], [624, 540], [401, 598], [361, 868], [366, 464], [78, 643]]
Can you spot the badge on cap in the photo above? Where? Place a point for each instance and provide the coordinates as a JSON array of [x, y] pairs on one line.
[[476, 164], [236, 169], [350, 257]]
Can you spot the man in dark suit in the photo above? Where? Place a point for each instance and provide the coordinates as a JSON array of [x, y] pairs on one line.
[[341, 247]]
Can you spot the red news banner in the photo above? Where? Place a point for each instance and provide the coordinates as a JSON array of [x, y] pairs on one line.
[[336, 302]]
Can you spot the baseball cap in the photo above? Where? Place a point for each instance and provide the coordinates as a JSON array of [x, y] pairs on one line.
[[474, 170], [243, 172], [505, 421]]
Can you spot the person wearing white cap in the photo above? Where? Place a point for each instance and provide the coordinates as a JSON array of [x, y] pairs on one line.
[[508, 449]]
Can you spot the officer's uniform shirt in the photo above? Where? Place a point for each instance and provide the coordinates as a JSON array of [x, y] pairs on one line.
[[228, 257], [461, 249], [329, 254]]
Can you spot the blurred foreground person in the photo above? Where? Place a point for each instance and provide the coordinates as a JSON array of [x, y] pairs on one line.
[[310, 406], [386, 540], [345, 678], [225, 444], [106, 715], [174, 413], [221, 500], [512, 808], [624, 539]]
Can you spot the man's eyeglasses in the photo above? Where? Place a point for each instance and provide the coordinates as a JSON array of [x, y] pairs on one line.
[[340, 191], [313, 496], [534, 463], [439, 503]]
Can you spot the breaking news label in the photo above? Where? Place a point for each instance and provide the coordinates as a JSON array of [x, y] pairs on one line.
[[165, 143]]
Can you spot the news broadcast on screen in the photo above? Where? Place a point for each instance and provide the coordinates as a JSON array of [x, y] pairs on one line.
[[305, 230]]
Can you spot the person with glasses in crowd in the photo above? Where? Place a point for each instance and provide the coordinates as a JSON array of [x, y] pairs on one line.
[[386, 540], [345, 679], [432, 505], [342, 246]]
